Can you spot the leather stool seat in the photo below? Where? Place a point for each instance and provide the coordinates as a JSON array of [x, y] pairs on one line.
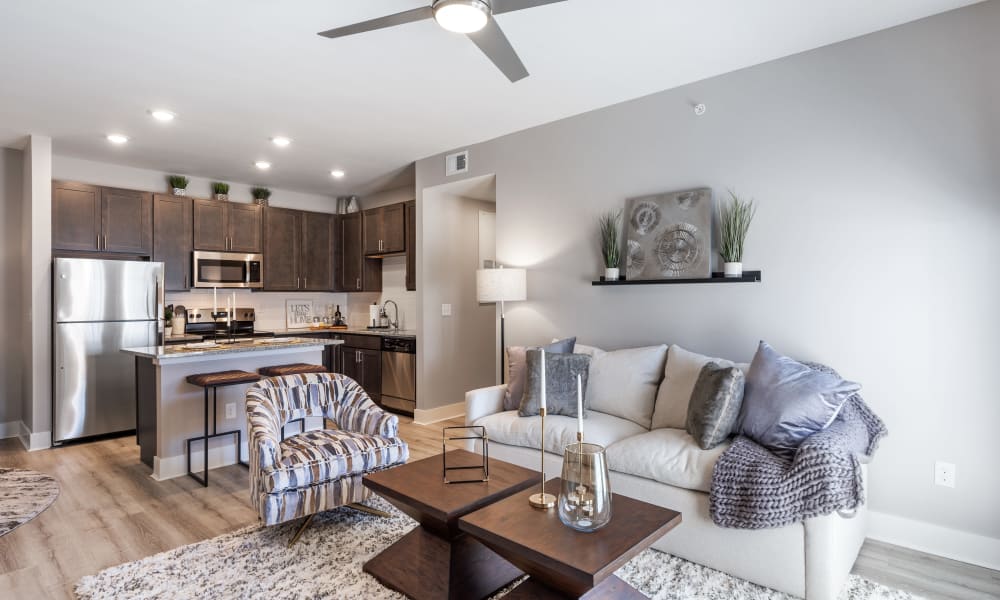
[[222, 378], [292, 369]]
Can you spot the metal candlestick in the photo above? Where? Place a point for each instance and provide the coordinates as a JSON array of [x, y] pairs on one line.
[[542, 500]]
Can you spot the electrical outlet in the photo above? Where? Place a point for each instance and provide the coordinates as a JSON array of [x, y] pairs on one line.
[[445, 310], [944, 474], [230, 410]]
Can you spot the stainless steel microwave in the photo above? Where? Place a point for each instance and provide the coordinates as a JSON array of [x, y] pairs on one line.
[[228, 270]]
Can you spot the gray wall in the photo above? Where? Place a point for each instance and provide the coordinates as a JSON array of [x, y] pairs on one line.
[[455, 353], [10, 294], [875, 166]]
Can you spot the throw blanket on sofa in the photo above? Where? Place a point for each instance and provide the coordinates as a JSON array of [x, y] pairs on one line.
[[754, 489]]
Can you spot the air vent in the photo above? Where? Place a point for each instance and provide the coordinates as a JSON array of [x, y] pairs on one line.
[[456, 163]]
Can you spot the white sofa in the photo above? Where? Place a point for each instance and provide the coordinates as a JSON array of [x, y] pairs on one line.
[[665, 466]]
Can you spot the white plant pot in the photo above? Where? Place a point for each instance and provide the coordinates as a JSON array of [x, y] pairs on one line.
[[223, 197], [732, 269], [611, 274], [180, 192], [168, 332]]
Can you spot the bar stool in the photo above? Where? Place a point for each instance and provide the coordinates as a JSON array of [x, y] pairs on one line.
[[215, 381]]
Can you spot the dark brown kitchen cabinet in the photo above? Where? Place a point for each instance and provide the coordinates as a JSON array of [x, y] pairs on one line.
[[357, 273], [411, 245], [127, 221], [172, 239], [227, 226], [282, 239], [316, 252], [364, 365], [385, 230], [96, 219], [76, 216]]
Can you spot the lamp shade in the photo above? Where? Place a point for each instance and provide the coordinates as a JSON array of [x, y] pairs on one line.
[[501, 285]]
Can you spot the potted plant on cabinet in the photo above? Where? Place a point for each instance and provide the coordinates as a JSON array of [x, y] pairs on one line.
[[609, 224], [260, 195], [221, 190], [734, 222], [178, 185]]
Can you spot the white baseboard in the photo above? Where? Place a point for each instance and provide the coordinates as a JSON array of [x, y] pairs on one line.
[[37, 440], [218, 456], [427, 416], [934, 539], [10, 429]]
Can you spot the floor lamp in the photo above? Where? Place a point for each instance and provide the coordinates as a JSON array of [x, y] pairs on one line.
[[501, 285]]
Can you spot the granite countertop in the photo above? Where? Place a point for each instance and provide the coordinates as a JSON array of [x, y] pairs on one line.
[[399, 333], [161, 353]]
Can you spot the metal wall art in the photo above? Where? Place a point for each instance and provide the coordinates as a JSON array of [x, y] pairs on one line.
[[669, 235]]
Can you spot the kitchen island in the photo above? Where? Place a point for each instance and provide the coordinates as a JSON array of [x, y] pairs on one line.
[[169, 410]]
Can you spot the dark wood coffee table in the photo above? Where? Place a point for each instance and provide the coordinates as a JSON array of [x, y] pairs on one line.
[[437, 560], [562, 562]]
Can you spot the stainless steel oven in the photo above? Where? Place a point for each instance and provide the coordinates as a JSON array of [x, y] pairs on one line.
[[228, 270]]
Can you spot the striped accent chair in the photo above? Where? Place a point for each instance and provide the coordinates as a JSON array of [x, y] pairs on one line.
[[319, 469]]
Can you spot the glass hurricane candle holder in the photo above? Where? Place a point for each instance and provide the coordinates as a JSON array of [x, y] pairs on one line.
[[585, 495]]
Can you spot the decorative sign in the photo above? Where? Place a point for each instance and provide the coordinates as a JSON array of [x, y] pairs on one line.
[[298, 313], [669, 235]]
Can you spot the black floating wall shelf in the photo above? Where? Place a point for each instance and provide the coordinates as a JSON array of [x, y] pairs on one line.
[[747, 277]]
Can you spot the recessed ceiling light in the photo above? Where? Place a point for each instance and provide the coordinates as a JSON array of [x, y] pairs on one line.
[[280, 141], [161, 114], [117, 138], [461, 16], [263, 165], [338, 173]]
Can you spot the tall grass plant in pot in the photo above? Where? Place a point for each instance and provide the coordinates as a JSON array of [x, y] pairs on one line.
[[609, 225], [178, 185], [220, 190], [735, 217]]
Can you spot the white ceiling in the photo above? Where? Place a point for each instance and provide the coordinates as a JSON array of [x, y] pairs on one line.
[[240, 71]]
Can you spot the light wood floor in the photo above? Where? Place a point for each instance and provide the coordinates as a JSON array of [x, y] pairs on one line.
[[110, 511]]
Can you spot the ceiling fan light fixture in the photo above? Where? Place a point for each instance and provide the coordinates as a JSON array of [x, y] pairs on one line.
[[462, 16]]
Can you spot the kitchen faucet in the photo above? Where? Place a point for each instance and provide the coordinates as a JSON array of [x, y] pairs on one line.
[[394, 323]]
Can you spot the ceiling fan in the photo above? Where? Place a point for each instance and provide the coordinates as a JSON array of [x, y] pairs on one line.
[[474, 18]]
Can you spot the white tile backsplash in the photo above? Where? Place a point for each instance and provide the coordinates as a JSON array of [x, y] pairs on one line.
[[269, 306]]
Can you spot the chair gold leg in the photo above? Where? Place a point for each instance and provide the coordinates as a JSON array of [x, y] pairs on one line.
[[298, 533], [367, 509]]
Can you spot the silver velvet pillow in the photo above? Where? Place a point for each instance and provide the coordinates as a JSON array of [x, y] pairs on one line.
[[715, 404], [516, 370], [786, 401], [561, 372]]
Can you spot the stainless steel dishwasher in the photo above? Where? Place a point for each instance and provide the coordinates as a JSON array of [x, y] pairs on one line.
[[399, 374]]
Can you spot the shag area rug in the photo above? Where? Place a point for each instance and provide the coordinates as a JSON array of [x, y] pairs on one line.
[[23, 496], [255, 563]]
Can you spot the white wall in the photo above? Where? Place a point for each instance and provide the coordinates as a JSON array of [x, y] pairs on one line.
[[11, 199], [874, 166], [98, 173], [36, 298]]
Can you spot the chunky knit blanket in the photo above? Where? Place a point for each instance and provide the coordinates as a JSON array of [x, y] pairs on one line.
[[755, 489]]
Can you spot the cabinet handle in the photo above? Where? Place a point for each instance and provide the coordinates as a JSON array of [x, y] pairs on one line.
[[185, 280], [98, 241], [105, 241], [359, 283], [305, 282]]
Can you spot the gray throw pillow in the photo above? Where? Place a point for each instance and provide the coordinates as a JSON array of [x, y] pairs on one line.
[[715, 404], [516, 369], [786, 401], [560, 383]]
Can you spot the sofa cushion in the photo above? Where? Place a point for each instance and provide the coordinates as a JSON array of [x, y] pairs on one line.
[[508, 428], [623, 383], [715, 405], [320, 455], [679, 377], [516, 365], [561, 383], [667, 455], [786, 401]]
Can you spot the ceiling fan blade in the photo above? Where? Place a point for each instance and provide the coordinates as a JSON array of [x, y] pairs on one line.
[[505, 6], [495, 46], [407, 16]]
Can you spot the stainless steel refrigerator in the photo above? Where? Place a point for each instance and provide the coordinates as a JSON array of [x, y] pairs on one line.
[[100, 307]]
